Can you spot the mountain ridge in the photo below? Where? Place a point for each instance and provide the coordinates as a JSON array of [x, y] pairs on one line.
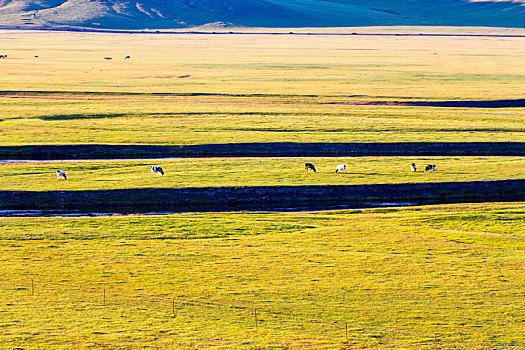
[[172, 14]]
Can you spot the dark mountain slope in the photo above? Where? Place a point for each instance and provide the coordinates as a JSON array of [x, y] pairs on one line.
[[133, 14]]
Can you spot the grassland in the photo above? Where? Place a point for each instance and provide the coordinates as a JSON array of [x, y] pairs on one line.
[[448, 276], [274, 88], [213, 172], [425, 277], [200, 120], [396, 67]]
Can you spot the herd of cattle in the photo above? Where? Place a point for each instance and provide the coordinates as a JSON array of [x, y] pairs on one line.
[[109, 58], [341, 168], [155, 170]]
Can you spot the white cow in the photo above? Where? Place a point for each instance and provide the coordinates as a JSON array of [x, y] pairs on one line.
[[156, 170], [430, 167], [61, 174], [341, 168], [413, 167]]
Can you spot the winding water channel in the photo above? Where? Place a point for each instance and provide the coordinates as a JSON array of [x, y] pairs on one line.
[[150, 211]]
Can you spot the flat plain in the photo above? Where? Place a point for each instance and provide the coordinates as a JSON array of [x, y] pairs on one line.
[[448, 276], [426, 277], [255, 88], [220, 172]]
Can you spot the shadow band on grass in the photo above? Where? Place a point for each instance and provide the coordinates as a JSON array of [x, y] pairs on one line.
[[264, 198], [509, 103], [273, 149], [518, 103]]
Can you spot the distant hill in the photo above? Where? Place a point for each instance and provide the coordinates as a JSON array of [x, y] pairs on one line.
[[163, 14]]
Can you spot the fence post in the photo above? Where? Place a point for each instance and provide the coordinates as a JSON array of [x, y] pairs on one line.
[[32, 287], [346, 330], [104, 296], [173, 306], [255, 314]]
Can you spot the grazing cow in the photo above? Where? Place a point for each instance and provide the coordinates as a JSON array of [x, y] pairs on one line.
[[3, 56], [61, 174], [430, 167], [341, 168], [413, 168], [309, 166], [107, 58], [36, 56], [127, 57], [155, 170]]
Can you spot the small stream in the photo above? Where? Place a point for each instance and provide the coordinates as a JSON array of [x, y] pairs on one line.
[[151, 211]]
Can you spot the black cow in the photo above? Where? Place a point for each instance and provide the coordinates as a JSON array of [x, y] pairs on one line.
[[430, 167], [155, 170], [309, 166]]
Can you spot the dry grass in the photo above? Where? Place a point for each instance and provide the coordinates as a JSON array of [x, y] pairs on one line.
[[296, 75], [396, 67]]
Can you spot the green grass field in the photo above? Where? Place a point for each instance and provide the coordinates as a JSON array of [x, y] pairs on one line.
[[201, 120], [429, 277], [423, 278], [96, 175]]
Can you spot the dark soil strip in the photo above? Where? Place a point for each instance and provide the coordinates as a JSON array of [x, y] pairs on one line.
[[518, 103], [113, 96], [275, 149], [15, 93], [263, 197]]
